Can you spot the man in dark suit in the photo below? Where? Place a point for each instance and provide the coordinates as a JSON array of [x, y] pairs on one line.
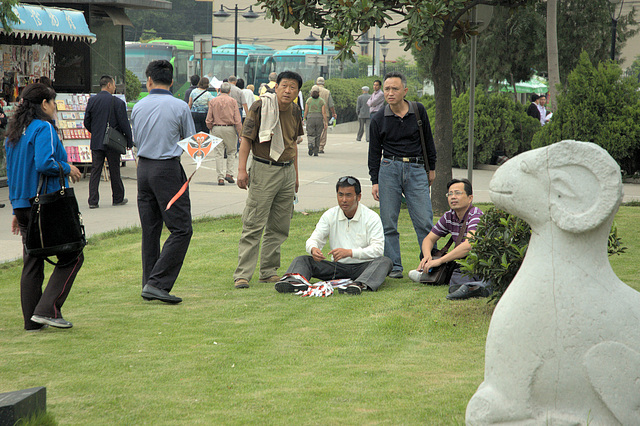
[[95, 121]]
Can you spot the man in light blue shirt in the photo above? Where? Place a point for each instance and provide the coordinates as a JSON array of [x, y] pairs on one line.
[[159, 122]]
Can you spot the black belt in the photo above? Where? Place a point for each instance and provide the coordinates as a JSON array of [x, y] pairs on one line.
[[417, 160], [223, 125], [272, 163]]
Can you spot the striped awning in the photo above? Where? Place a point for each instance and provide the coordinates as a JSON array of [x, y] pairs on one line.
[[39, 21]]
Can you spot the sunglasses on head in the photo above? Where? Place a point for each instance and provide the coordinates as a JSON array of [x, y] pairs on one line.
[[348, 179]]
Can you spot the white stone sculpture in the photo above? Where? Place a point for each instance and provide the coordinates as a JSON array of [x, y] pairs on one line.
[[563, 346]]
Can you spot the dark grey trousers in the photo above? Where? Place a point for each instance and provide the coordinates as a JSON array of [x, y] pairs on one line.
[[34, 300], [371, 273], [158, 182], [97, 163]]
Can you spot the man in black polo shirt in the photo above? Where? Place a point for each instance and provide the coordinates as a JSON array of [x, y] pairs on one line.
[[396, 166]]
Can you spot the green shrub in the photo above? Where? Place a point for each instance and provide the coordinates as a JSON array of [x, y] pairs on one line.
[[598, 105], [500, 125], [499, 246], [132, 89]]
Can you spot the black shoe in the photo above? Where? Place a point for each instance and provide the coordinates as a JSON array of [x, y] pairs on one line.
[[310, 152], [352, 289], [465, 292], [229, 179], [395, 274], [53, 322], [121, 203], [315, 154], [150, 292], [290, 287], [320, 152], [93, 206]]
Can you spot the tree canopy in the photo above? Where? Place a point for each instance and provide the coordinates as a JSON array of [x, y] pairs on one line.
[[7, 17]]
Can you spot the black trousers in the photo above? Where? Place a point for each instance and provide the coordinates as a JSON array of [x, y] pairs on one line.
[[158, 182], [200, 121], [34, 300], [371, 273], [97, 162]]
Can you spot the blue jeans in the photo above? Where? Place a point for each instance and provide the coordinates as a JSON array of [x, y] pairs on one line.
[[394, 179]]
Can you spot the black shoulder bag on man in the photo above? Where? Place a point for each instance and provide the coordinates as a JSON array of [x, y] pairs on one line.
[[55, 226], [441, 275], [422, 141], [113, 139]]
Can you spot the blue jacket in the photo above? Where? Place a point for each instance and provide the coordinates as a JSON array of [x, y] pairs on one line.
[[39, 150]]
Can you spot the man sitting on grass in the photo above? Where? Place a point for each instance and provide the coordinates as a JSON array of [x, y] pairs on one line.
[[460, 198], [357, 246]]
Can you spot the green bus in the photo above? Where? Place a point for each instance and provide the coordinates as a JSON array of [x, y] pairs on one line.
[[138, 56]]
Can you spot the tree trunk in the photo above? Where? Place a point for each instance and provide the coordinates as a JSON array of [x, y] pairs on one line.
[[443, 129], [552, 52]]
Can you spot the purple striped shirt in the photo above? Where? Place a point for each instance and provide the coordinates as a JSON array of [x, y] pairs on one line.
[[450, 224]]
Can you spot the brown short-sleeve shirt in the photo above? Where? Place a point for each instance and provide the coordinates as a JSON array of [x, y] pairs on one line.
[[291, 122]]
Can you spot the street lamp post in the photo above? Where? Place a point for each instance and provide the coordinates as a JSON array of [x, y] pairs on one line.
[[384, 50], [614, 24], [311, 39], [382, 41], [250, 15]]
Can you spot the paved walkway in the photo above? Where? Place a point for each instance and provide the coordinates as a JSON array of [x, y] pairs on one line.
[[318, 175]]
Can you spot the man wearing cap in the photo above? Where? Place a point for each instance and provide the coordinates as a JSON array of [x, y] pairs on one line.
[[364, 115], [325, 94]]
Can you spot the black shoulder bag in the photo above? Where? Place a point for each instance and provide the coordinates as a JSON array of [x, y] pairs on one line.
[[422, 141], [113, 139], [55, 226], [441, 275]]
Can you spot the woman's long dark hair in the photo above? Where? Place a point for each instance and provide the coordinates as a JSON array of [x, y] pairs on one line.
[[30, 108]]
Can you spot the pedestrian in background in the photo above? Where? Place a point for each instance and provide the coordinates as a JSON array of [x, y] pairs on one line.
[[224, 121], [199, 104], [364, 114], [101, 108], [315, 115]]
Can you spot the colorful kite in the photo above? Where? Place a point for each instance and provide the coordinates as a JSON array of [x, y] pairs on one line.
[[198, 147]]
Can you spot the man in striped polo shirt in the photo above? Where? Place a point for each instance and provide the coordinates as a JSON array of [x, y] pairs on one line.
[[460, 198]]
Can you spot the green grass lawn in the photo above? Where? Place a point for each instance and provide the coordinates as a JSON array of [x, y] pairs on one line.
[[402, 355]]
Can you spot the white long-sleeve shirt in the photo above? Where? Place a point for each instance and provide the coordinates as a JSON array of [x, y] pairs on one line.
[[363, 234]]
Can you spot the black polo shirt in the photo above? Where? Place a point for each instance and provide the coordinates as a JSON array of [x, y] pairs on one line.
[[398, 136]]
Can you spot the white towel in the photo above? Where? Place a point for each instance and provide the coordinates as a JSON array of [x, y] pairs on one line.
[[270, 128]]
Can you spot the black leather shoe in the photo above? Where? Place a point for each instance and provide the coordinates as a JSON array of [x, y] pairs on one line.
[[121, 203], [150, 292]]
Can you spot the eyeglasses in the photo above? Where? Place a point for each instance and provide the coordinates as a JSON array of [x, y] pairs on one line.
[[348, 179], [456, 193]]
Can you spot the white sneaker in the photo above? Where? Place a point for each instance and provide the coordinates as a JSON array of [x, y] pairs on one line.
[[415, 275]]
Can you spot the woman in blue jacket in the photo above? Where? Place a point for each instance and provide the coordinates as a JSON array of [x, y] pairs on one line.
[[33, 147]]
